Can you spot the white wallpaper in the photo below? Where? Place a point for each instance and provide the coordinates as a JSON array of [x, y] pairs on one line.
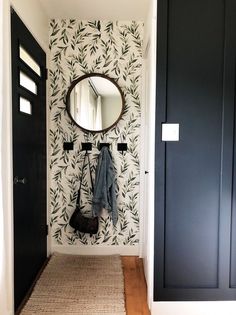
[[114, 49]]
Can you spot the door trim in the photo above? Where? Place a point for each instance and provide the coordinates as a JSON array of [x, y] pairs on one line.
[[7, 175]]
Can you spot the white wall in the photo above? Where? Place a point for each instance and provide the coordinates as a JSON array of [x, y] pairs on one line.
[[194, 308], [149, 140], [33, 16], [110, 114], [111, 10]]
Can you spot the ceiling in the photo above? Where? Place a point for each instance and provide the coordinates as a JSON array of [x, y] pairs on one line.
[[97, 9], [104, 87]]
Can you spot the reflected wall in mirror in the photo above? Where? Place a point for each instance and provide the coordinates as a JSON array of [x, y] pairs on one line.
[[95, 102]]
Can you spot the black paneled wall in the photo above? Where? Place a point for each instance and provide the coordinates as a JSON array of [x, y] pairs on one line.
[[195, 251]]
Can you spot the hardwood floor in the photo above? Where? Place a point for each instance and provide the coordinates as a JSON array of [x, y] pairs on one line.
[[135, 286]]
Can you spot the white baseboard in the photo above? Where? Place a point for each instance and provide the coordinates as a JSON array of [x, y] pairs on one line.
[[194, 308], [96, 250]]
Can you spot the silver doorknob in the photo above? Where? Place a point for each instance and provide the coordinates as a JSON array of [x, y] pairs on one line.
[[20, 180]]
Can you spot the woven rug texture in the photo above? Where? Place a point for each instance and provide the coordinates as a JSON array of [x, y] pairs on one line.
[[83, 285]]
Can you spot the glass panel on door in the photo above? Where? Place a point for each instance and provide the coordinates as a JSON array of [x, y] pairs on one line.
[[25, 106], [26, 57], [28, 83]]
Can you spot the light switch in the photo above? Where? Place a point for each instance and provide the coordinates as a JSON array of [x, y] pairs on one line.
[[170, 132]]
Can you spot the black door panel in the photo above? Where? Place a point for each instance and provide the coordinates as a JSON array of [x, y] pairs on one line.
[[195, 88], [29, 164]]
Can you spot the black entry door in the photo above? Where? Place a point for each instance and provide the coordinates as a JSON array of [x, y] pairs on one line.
[[29, 157], [195, 217]]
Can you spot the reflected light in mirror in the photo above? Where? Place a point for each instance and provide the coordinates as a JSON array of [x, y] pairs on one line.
[[95, 103]]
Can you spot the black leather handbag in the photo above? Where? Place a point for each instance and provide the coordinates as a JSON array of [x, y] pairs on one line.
[[79, 221]]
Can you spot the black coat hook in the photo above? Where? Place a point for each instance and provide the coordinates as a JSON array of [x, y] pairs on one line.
[[86, 146], [68, 146], [122, 147], [104, 144]]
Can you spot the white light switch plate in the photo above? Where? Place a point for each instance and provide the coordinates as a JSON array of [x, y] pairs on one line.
[[170, 132]]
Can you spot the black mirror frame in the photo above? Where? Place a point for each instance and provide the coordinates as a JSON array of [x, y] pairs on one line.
[[73, 84]]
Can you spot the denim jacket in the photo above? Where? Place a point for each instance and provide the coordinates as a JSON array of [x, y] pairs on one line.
[[104, 195]]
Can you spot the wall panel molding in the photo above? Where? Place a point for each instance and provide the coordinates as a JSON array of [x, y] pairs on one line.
[[97, 250]]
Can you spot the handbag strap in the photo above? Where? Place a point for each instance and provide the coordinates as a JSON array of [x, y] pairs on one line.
[[81, 177]]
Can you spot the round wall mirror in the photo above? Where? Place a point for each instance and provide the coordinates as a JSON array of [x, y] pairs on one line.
[[95, 102]]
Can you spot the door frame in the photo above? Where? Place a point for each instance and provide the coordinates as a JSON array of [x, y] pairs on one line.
[[7, 173], [148, 145]]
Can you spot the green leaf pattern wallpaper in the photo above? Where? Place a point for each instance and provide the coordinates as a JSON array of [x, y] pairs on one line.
[[115, 49]]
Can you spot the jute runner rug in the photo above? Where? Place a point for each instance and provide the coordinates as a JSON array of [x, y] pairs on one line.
[[86, 285]]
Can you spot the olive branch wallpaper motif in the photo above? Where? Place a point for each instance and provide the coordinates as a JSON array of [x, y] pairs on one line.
[[114, 49]]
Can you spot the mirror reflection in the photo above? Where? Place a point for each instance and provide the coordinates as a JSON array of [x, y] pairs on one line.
[[95, 102]]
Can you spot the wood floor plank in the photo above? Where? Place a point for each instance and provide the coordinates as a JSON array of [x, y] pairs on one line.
[[135, 286]]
